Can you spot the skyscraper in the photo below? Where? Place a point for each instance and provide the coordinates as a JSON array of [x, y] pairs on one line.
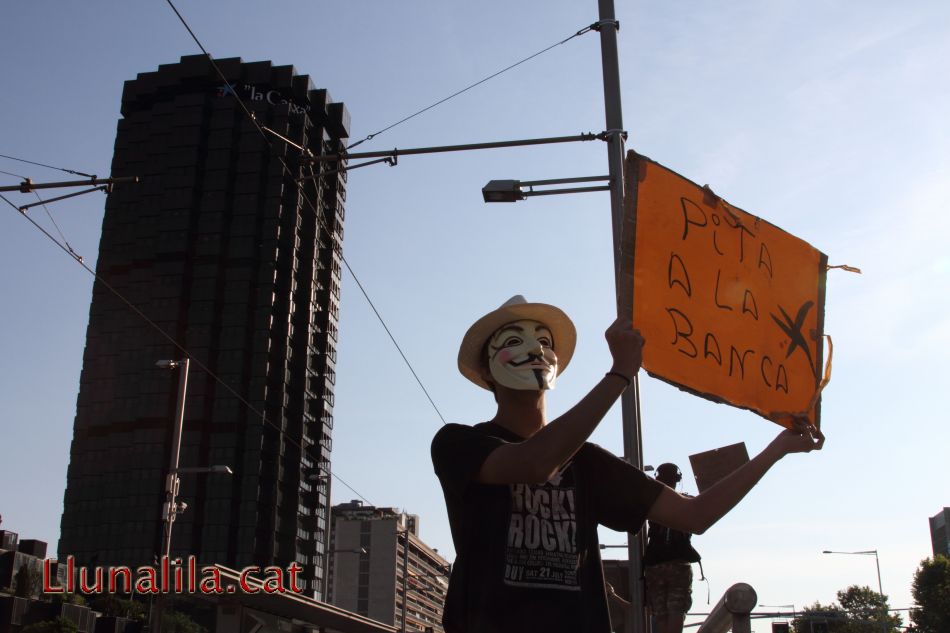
[[221, 249]]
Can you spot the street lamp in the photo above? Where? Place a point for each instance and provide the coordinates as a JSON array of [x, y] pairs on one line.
[[511, 190], [880, 590], [780, 606], [171, 507]]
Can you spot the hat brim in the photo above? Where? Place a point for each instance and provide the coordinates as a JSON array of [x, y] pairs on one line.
[[562, 329]]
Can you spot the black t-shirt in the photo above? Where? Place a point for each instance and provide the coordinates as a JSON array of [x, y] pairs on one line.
[[527, 555]]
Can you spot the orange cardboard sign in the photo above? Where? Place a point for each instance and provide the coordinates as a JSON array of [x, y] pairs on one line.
[[731, 306]]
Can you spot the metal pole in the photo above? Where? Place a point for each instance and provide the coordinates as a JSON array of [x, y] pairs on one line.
[[172, 481], [405, 574], [395, 153], [562, 181], [105, 188], [630, 400], [880, 590], [169, 507], [28, 185], [557, 192]]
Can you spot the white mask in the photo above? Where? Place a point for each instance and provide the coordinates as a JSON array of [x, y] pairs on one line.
[[521, 356]]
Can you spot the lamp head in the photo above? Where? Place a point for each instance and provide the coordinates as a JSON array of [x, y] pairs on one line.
[[502, 191]]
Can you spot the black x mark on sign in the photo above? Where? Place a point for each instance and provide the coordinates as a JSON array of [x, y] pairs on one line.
[[793, 329]]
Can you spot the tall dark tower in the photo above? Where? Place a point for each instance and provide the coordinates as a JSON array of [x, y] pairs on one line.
[[219, 247]]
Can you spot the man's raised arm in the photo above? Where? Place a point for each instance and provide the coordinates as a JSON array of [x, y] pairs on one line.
[[699, 513], [538, 458]]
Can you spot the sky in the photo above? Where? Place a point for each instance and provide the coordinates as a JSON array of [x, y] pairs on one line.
[[828, 119]]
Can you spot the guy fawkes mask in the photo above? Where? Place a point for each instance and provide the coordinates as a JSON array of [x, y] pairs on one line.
[[521, 356]]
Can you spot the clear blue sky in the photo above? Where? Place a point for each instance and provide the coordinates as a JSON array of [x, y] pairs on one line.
[[826, 118]]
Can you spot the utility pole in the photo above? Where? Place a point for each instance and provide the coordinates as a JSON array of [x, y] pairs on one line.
[[170, 506], [630, 400]]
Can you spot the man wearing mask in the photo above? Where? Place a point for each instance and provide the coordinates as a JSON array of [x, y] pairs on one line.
[[525, 496]]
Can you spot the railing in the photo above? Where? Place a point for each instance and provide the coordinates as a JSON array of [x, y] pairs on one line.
[[732, 612]]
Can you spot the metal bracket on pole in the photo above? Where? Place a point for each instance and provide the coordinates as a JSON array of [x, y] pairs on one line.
[[28, 186], [392, 161], [105, 188], [98, 184], [596, 26], [396, 152]]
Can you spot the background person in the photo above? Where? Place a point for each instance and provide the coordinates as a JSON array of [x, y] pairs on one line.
[[667, 566]]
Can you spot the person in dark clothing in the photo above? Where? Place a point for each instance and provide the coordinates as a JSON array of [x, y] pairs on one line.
[[667, 568], [525, 496]]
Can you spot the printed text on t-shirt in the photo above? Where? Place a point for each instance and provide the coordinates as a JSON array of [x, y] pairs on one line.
[[542, 536]]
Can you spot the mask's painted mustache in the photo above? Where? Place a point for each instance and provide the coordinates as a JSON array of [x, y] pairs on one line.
[[532, 358]]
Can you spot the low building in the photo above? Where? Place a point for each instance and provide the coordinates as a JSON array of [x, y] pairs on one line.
[[22, 601], [939, 534], [370, 548], [21, 561]]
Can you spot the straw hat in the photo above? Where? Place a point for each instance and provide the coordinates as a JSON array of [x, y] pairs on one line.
[[515, 309]]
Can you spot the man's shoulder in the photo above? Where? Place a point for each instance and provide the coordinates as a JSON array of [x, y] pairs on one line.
[[454, 430], [454, 427], [450, 433], [457, 435], [458, 450], [596, 452]]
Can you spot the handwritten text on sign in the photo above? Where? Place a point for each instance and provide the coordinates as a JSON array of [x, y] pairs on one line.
[[730, 305]]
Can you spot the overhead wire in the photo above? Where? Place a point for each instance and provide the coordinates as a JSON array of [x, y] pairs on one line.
[[68, 250], [168, 337], [50, 215], [584, 30], [58, 230], [68, 171], [386, 328], [393, 339], [262, 130]]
